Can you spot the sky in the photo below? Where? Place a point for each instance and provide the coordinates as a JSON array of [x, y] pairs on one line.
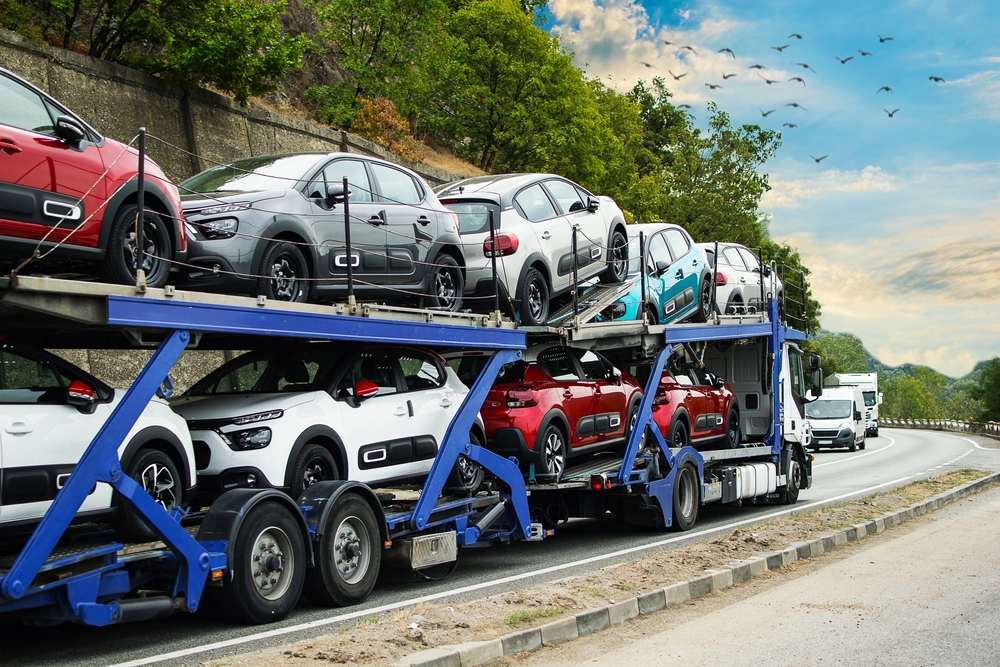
[[900, 223]]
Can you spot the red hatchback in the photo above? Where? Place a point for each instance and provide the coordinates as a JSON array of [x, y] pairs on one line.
[[555, 403], [71, 193], [694, 407]]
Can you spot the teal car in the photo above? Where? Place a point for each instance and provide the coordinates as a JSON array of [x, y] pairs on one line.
[[678, 278]]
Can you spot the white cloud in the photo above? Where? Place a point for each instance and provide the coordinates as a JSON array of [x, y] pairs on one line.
[[984, 91], [792, 193]]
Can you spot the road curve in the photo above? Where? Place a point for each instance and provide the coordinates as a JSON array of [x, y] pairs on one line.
[[897, 457]]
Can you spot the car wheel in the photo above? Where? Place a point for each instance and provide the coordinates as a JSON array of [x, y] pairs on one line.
[[284, 274], [534, 299], [733, 429], [704, 313], [347, 555], [678, 435], [314, 464], [617, 259], [735, 305], [853, 447], [467, 475], [447, 284], [119, 260], [651, 314], [686, 498], [552, 457], [157, 474]]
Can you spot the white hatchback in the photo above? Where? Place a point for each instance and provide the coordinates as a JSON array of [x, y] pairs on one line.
[[288, 417], [738, 272]]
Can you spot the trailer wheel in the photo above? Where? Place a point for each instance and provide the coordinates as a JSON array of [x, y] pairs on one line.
[[347, 555], [686, 498], [269, 562], [795, 480], [157, 474]]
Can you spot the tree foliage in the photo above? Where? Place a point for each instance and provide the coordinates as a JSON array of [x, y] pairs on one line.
[[841, 353], [986, 391]]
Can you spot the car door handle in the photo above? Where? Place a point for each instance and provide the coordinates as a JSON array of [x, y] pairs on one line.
[[376, 220], [567, 394], [743, 280], [679, 274], [546, 235], [400, 411], [8, 146], [424, 220], [18, 428], [445, 402]]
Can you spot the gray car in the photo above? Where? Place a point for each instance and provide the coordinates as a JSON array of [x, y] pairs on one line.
[[274, 225], [534, 216]]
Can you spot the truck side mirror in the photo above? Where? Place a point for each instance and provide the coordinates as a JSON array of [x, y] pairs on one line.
[[880, 398], [814, 361], [816, 381]]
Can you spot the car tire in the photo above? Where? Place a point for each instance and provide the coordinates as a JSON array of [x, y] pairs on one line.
[[534, 299], [552, 454], [313, 464], [119, 259], [284, 274], [446, 284], [347, 556], [467, 475], [733, 429], [686, 498], [157, 474], [704, 312], [678, 435], [617, 259], [652, 315], [862, 445], [853, 446]]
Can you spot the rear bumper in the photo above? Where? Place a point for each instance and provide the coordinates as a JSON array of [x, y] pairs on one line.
[[510, 442]]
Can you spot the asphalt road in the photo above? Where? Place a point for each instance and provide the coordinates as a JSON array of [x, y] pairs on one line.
[[897, 457]]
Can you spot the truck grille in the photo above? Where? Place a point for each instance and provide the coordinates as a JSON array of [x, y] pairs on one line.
[[825, 434]]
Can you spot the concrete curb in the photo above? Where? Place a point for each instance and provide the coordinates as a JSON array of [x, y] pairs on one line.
[[594, 620]]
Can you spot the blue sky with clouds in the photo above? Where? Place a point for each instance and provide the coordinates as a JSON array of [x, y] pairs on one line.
[[900, 223]]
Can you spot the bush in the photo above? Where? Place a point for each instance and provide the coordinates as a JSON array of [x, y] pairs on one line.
[[379, 121]]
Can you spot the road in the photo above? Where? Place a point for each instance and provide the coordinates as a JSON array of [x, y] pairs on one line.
[[897, 457]]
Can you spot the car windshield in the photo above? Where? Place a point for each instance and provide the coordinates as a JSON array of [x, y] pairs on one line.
[[273, 172], [828, 410], [270, 372]]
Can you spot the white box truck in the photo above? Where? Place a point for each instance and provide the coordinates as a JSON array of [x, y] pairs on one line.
[[868, 384]]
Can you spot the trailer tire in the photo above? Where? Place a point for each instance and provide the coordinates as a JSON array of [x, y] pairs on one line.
[[686, 498], [157, 474], [347, 555], [269, 538]]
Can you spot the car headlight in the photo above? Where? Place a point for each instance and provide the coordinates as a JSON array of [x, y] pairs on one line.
[[258, 417], [614, 312], [251, 438], [221, 228]]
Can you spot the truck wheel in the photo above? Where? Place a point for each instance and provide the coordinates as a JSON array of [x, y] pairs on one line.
[[467, 475], [794, 480], [269, 562], [552, 458], [156, 473], [733, 429], [314, 464], [347, 555], [686, 497]]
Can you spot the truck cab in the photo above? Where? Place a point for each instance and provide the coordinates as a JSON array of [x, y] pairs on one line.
[[837, 419]]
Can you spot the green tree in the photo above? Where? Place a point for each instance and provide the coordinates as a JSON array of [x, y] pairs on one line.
[[908, 397], [847, 352], [987, 391]]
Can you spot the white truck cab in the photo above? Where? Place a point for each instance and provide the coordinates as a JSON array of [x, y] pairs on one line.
[[868, 384], [837, 418]]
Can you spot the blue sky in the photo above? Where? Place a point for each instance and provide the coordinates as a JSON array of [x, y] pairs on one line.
[[901, 223]]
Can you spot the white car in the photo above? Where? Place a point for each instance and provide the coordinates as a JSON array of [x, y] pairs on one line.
[[737, 279], [50, 410], [288, 417]]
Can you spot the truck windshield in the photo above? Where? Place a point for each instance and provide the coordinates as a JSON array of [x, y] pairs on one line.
[[869, 398], [828, 409]]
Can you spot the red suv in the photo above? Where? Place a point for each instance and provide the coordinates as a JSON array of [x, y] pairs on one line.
[[555, 403], [66, 189], [693, 406]]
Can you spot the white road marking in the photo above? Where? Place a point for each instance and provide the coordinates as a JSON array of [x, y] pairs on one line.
[[859, 456], [972, 442], [318, 623]]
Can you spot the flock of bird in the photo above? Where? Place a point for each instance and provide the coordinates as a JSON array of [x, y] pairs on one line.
[[798, 79]]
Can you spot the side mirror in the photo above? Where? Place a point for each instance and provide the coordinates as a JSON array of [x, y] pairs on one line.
[[662, 265], [767, 271], [718, 382], [69, 130], [857, 416], [335, 193], [814, 361], [593, 203], [880, 398], [81, 395], [816, 377], [364, 389], [616, 374]]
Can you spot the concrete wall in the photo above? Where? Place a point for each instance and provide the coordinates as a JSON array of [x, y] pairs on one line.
[[203, 128]]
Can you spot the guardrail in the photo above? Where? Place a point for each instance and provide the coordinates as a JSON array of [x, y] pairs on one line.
[[988, 429]]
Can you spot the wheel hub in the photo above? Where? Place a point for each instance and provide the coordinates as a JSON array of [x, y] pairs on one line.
[[269, 564], [159, 484], [350, 557]]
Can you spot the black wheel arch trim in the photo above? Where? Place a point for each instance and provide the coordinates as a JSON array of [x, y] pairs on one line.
[[529, 263], [319, 499], [147, 435], [287, 226], [312, 433], [152, 190], [551, 417]]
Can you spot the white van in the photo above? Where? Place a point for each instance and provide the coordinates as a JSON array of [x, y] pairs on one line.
[[837, 418]]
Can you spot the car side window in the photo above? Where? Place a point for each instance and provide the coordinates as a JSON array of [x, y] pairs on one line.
[[420, 371], [683, 379], [558, 363], [733, 257], [701, 377], [373, 366], [357, 179], [24, 380], [678, 243], [24, 108], [535, 204], [594, 367], [395, 186], [749, 258], [658, 252], [566, 196]]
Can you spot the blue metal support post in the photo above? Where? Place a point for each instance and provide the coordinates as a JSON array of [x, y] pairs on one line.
[[645, 417]]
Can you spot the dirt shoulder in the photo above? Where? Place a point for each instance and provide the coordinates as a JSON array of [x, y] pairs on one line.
[[385, 638]]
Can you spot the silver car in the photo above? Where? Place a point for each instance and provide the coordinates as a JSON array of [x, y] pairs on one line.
[[534, 216], [738, 279]]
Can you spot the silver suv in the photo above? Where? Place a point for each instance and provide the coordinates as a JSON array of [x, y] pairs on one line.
[[534, 216]]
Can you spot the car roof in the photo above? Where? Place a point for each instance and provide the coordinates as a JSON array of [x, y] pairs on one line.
[[650, 228], [501, 185]]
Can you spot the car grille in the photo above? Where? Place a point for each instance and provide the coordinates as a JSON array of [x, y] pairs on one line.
[[825, 434]]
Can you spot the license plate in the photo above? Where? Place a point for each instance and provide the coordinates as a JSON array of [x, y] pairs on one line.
[[825, 442]]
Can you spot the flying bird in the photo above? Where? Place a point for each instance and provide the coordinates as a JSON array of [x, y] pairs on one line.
[[689, 48], [806, 67], [819, 159], [727, 50], [727, 76], [795, 35], [935, 79], [779, 49], [797, 106], [768, 81], [765, 114], [789, 125], [883, 40], [891, 113], [843, 61], [884, 88], [713, 86], [865, 53], [799, 79], [756, 67], [678, 77], [683, 106], [668, 43], [642, 63]]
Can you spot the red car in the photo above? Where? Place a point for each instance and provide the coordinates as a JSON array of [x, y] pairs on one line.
[[693, 407], [63, 182], [555, 403]]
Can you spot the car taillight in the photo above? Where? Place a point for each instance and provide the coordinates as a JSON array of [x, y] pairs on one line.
[[720, 278], [454, 219], [661, 397], [522, 397], [506, 245]]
